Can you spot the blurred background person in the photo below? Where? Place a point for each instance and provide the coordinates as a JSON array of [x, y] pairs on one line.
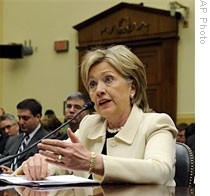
[[186, 135], [190, 137], [9, 125], [181, 132], [50, 122], [49, 112], [10, 128], [74, 103]]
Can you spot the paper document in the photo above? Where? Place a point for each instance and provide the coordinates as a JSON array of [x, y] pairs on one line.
[[61, 180]]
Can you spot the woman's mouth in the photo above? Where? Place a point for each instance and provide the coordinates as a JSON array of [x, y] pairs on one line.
[[104, 102]]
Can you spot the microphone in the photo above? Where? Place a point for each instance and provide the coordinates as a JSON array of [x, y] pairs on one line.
[[7, 159]]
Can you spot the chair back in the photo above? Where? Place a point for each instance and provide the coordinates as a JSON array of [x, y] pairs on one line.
[[185, 166]]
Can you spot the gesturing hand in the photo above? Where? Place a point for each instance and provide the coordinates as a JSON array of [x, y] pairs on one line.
[[72, 155]]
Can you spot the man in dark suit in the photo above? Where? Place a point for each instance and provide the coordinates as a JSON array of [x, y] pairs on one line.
[[190, 137], [29, 112]]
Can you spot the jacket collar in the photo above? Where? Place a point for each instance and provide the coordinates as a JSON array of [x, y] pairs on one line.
[[127, 133]]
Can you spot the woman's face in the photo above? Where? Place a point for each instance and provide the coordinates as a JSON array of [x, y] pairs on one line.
[[109, 91]]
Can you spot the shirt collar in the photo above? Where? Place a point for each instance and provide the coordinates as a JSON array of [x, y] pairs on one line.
[[34, 131]]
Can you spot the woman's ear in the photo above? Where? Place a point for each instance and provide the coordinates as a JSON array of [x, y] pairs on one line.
[[133, 89]]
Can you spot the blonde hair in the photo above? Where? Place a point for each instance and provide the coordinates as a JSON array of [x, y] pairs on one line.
[[123, 61]]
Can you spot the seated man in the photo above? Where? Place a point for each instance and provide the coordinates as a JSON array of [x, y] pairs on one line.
[[181, 132], [190, 137], [29, 112], [74, 103], [10, 128]]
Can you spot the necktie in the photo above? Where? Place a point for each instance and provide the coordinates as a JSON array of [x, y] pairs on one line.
[[22, 146]]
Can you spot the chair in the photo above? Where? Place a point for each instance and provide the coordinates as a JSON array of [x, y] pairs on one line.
[[185, 166]]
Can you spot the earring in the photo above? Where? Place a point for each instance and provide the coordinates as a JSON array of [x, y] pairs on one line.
[[131, 96]]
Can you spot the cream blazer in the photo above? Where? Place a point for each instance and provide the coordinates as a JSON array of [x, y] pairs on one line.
[[143, 152]]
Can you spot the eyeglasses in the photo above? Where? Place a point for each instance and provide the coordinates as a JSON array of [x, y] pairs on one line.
[[7, 127]]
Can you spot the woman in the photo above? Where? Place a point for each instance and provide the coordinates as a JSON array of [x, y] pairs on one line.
[[124, 142]]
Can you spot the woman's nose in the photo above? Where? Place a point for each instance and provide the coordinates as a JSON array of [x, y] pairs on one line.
[[100, 89]]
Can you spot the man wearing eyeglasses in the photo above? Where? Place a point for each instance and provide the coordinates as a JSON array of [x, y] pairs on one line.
[[29, 112], [10, 128], [9, 125]]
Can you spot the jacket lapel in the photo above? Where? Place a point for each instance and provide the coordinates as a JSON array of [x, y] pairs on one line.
[[126, 134]]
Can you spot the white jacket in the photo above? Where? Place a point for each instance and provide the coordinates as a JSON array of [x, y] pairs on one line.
[[143, 152]]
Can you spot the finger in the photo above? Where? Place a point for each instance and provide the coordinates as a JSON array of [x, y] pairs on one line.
[[72, 136], [49, 154], [32, 167], [3, 167], [36, 170], [26, 169], [69, 130], [6, 169], [51, 148], [52, 142], [44, 169], [51, 145]]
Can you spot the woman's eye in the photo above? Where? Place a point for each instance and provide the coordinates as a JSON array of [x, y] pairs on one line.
[[108, 79], [92, 84]]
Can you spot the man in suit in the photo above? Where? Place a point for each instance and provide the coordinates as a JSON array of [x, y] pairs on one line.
[[190, 137], [29, 112]]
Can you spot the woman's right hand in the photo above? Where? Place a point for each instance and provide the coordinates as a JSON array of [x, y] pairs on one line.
[[35, 167]]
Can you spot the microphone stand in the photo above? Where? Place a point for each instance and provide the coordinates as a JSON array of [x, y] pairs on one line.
[[7, 159]]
